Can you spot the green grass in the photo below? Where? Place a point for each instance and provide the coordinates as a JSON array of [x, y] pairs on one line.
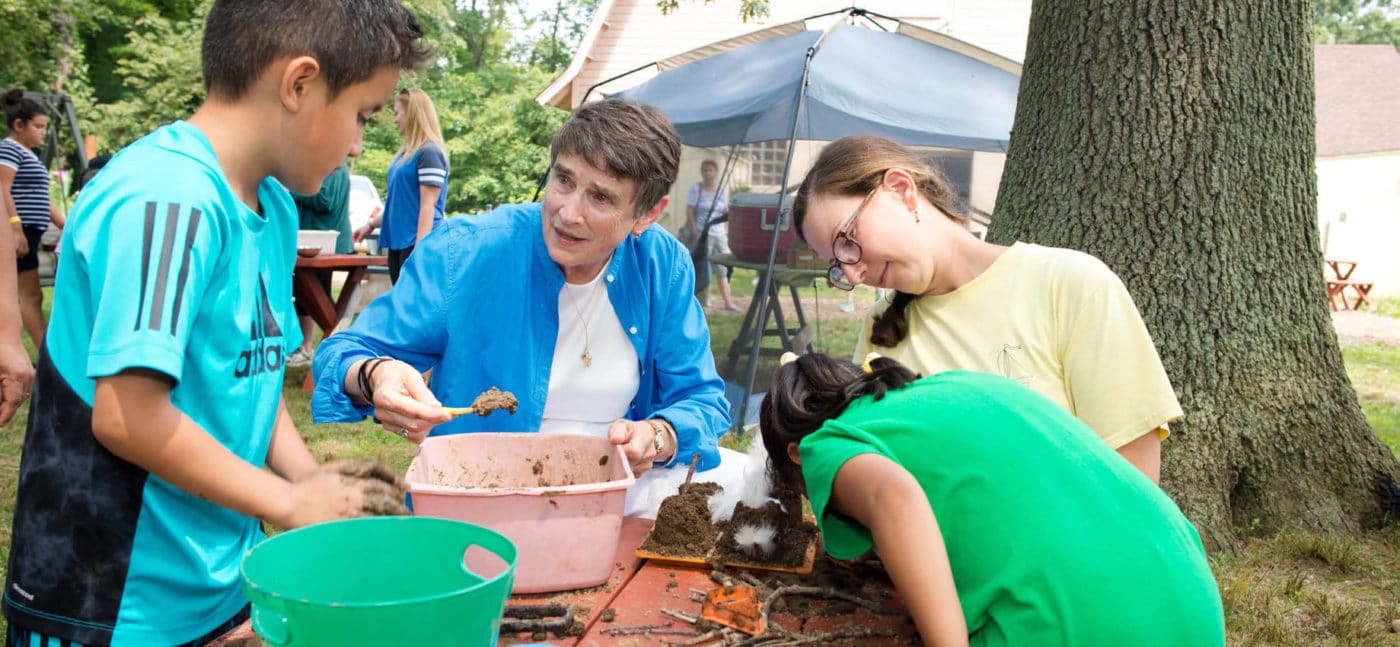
[[1293, 589], [1375, 373], [1387, 306]]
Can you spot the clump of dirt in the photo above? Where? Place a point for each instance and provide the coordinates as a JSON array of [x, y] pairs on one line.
[[492, 399], [791, 538], [683, 527]]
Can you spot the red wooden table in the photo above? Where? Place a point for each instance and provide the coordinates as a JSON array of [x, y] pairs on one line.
[[309, 281], [1342, 292], [639, 590]]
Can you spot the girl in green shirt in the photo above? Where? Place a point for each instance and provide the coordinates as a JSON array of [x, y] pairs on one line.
[[1001, 518]]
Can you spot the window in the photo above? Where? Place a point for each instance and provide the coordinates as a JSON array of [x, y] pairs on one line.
[[766, 161]]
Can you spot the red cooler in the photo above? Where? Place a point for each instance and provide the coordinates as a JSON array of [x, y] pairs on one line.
[[752, 217]]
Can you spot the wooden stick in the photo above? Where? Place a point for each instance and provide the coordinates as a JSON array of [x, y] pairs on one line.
[[702, 638], [694, 460], [749, 579], [528, 611], [842, 634], [683, 617], [639, 629], [459, 411]]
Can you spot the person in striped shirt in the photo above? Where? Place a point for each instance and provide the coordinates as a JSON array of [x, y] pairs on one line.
[[24, 183], [416, 194]]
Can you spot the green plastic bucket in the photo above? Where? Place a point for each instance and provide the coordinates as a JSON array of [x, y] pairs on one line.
[[380, 581]]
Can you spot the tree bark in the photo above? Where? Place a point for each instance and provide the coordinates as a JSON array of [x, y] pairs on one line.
[[1175, 141]]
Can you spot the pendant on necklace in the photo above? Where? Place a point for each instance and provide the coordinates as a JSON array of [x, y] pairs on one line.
[[587, 359]]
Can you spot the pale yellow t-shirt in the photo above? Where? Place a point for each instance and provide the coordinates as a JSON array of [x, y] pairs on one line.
[[1056, 320]]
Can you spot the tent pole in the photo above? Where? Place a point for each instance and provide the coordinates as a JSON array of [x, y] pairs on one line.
[[763, 285]]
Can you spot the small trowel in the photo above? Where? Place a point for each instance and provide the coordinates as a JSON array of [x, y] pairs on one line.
[[736, 606]]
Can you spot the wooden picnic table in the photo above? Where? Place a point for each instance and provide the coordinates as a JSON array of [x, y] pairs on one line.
[[1342, 292], [798, 338], [309, 281], [639, 589]]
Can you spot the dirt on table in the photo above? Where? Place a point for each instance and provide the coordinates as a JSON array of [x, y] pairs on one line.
[[865, 579], [683, 527], [792, 536]]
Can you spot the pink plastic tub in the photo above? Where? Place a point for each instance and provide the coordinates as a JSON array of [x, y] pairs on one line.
[[559, 498]]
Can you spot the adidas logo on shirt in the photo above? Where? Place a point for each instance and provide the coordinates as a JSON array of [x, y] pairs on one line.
[[261, 356]]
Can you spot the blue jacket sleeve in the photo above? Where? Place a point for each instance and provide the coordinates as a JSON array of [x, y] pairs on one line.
[[689, 392], [407, 323]]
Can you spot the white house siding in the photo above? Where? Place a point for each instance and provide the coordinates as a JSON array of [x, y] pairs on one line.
[[1358, 213]]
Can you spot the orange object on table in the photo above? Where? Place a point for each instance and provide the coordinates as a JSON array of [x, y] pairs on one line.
[[737, 606]]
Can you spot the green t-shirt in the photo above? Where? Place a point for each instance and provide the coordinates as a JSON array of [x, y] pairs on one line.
[[329, 209], [1053, 538]]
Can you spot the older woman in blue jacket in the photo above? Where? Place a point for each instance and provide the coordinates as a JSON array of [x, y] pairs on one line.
[[580, 305]]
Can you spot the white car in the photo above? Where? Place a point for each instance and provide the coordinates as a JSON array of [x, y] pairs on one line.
[[364, 200]]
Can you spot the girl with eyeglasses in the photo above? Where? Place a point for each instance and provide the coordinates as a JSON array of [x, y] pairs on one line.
[[1001, 519], [1056, 320]]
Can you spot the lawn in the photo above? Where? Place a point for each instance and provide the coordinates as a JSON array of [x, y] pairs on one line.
[[1294, 589]]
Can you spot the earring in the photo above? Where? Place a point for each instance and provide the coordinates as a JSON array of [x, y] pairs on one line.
[[916, 215], [636, 234]]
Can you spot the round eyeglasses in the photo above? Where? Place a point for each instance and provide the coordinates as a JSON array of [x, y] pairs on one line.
[[845, 249]]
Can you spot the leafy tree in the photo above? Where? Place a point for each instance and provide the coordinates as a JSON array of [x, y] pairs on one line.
[[482, 85], [1175, 141], [1357, 21], [748, 9], [105, 35], [497, 135], [561, 27], [40, 40], [161, 71]]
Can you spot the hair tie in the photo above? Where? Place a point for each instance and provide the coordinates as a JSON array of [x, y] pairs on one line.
[[787, 358], [865, 366]]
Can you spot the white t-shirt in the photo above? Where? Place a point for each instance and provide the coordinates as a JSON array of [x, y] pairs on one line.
[[701, 201], [586, 399]]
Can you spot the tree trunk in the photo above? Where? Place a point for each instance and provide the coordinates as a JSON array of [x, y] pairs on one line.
[[63, 67], [1175, 141]]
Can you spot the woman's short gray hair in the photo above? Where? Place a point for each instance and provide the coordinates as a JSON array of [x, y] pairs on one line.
[[628, 140]]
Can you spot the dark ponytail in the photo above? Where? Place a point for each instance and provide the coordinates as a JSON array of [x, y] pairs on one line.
[[812, 389], [892, 326], [19, 108]]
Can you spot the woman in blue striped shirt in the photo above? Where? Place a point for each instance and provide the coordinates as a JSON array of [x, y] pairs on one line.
[[415, 195], [24, 184]]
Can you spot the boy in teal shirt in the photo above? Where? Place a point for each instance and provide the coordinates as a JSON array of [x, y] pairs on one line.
[[1001, 518], [158, 392]]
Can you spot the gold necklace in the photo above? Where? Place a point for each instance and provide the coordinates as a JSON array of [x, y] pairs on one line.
[[583, 321]]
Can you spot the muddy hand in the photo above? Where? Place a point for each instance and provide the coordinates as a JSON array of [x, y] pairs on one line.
[[369, 470], [378, 504], [327, 494]]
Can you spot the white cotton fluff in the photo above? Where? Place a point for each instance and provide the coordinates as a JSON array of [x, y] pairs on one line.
[[756, 541], [752, 492]]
